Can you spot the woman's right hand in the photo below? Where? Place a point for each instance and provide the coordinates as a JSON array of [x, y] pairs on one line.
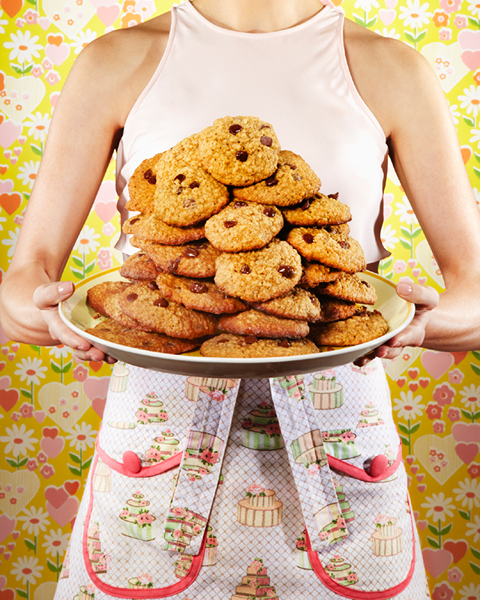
[[46, 298]]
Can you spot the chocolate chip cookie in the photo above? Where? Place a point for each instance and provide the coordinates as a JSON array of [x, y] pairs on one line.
[[239, 150], [150, 227], [292, 181], [316, 273], [351, 287], [243, 226], [297, 304], [363, 327], [229, 345], [334, 309], [139, 267], [254, 322], [105, 299], [259, 275], [142, 185], [317, 211]]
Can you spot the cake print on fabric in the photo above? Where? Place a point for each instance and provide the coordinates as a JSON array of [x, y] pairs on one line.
[[119, 379], [259, 508], [341, 572], [301, 552], [308, 450], [294, 384], [388, 537], [143, 581], [211, 549], [151, 410], [260, 430], [121, 425], [326, 393], [98, 559], [347, 513], [256, 584], [102, 478], [86, 592], [201, 454], [340, 443], [137, 521], [162, 447], [182, 566], [213, 386], [370, 417], [181, 525], [330, 524]]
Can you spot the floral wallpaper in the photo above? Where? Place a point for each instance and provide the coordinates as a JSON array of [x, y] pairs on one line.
[[51, 405]]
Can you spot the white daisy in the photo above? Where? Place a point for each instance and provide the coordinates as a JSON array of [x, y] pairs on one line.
[[470, 592], [12, 242], [34, 520], [60, 351], [86, 240], [81, 436], [366, 5], [27, 569], [471, 396], [468, 493], [56, 542], [82, 40], [2, 220], [388, 34], [414, 14], [19, 440], [387, 235], [31, 370], [474, 7], [409, 407], [2, 22], [470, 100], [438, 507], [476, 194], [475, 135], [454, 112], [474, 529], [28, 173], [405, 212], [38, 126], [23, 47]]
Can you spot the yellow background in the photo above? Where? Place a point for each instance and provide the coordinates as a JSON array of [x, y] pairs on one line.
[[46, 441]]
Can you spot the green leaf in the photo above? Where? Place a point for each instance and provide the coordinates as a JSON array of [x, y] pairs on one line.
[[33, 2], [359, 20], [476, 171], [36, 149], [406, 244], [21, 593], [433, 529], [474, 22], [23, 462], [26, 196], [87, 463], [53, 567], [75, 471], [75, 458], [476, 354], [470, 122], [90, 267], [29, 544], [26, 393], [387, 262], [12, 462], [415, 427], [55, 367], [416, 232], [477, 156], [475, 553], [476, 368], [389, 275], [372, 22], [78, 274], [403, 428], [77, 261], [409, 36], [405, 441], [467, 415], [66, 367], [36, 348], [433, 543], [421, 35], [17, 69], [445, 530], [406, 232], [28, 69], [475, 568], [464, 515]]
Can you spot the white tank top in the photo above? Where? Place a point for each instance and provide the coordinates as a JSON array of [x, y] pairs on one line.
[[297, 79]]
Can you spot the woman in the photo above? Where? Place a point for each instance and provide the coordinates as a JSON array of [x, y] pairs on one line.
[[343, 102]]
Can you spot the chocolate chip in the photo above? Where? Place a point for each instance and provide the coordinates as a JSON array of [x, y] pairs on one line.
[[222, 341], [269, 211], [160, 302], [179, 190], [134, 220], [365, 283], [362, 313], [180, 178], [245, 270], [194, 185], [152, 285], [235, 128], [334, 196], [286, 270], [284, 343], [189, 203], [229, 224], [190, 252], [308, 238], [297, 177], [271, 181], [343, 244], [241, 155], [148, 173], [152, 180], [293, 167], [172, 266], [250, 339], [132, 297], [140, 254], [330, 229], [265, 127], [198, 288], [266, 140], [307, 203], [239, 204]]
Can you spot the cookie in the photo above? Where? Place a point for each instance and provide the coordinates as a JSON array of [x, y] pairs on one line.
[[228, 345], [197, 294], [363, 327], [154, 342], [333, 309], [349, 287], [297, 304], [139, 267], [196, 259], [105, 299], [243, 226], [292, 181], [186, 195], [259, 275], [150, 227], [335, 250], [317, 211], [144, 303], [254, 322], [239, 150], [316, 273], [142, 185]]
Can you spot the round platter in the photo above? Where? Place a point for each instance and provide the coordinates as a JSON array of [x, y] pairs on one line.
[[79, 317]]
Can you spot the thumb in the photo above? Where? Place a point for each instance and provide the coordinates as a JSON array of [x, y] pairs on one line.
[[49, 295]]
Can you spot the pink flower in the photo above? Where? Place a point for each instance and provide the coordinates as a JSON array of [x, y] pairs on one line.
[[255, 489], [46, 64], [15, 416], [272, 429], [313, 470], [80, 373], [217, 395], [52, 77], [460, 21], [177, 533], [443, 592], [141, 416], [63, 402], [400, 266], [206, 455], [26, 410], [163, 416], [474, 470], [124, 514], [348, 436], [202, 471], [20, 23], [453, 414], [433, 411], [42, 458], [178, 511], [341, 522], [197, 529], [450, 6], [454, 575], [455, 376], [104, 259], [145, 519], [439, 427], [443, 394], [47, 471], [323, 535], [32, 464], [352, 577], [30, 16], [445, 34]]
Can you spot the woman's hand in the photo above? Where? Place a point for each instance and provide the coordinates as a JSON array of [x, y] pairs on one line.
[[46, 298], [425, 299]]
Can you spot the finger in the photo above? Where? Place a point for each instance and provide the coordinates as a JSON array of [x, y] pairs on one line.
[[363, 360], [59, 331], [49, 295], [423, 296]]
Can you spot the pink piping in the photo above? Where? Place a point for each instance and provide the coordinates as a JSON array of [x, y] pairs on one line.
[[358, 473]]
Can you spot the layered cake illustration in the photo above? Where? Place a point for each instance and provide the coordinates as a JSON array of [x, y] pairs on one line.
[[119, 379], [294, 385], [259, 508], [98, 559], [137, 521], [388, 537], [151, 410], [308, 449], [141, 581], [121, 425], [181, 526], [182, 566], [211, 549], [207, 384], [370, 416], [102, 478], [162, 447], [201, 454], [330, 524], [340, 571], [256, 584], [260, 430], [301, 552], [340, 443], [347, 513], [326, 393], [86, 592]]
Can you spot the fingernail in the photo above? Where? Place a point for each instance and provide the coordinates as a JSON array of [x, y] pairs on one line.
[[66, 287], [404, 288], [83, 347]]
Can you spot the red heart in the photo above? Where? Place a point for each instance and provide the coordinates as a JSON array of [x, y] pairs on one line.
[[2, 366], [8, 399], [98, 405], [456, 549], [96, 366], [420, 477], [10, 202], [71, 487], [401, 381], [3, 169], [466, 452], [7, 594], [56, 496], [414, 469], [424, 382], [413, 373], [436, 561], [50, 432], [458, 357], [12, 7], [413, 386]]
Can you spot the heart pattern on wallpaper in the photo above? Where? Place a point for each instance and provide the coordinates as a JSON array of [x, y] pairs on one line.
[[395, 367], [445, 445], [23, 94], [64, 404], [22, 486], [437, 363], [451, 68], [425, 257], [68, 16]]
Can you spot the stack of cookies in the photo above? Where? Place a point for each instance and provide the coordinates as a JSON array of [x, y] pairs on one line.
[[240, 253]]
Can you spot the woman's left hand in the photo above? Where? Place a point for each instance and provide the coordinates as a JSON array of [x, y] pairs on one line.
[[425, 299]]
